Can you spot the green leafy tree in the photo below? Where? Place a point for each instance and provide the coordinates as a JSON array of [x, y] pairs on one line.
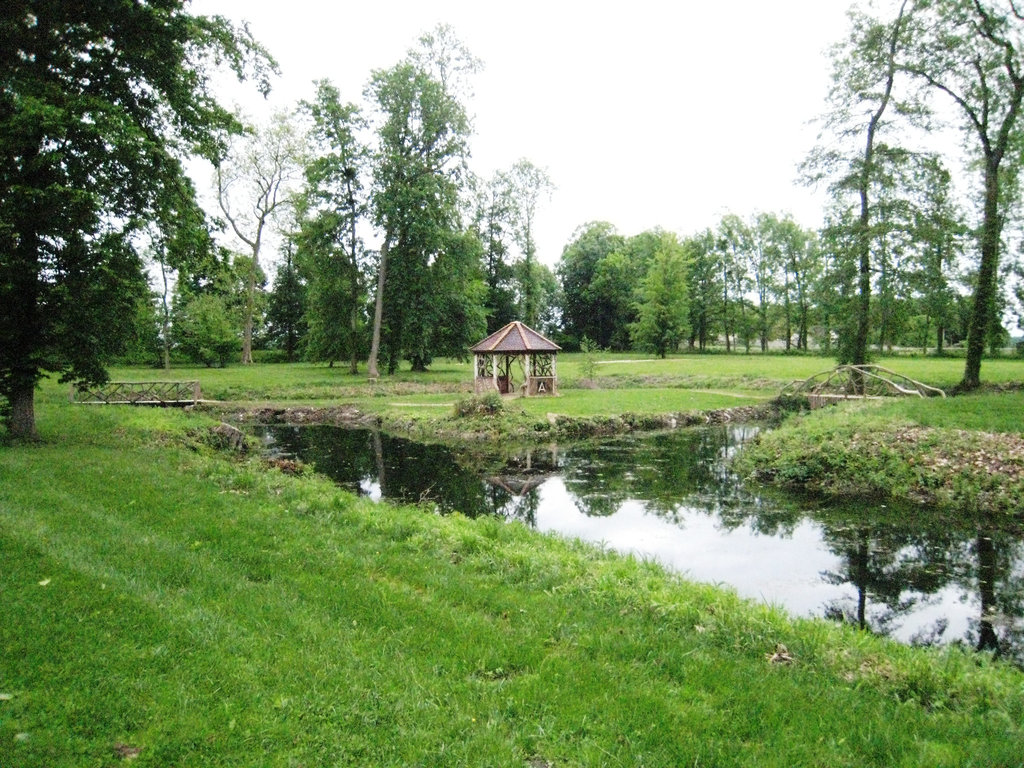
[[897, 244], [492, 220], [206, 330], [179, 243], [504, 215], [549, 299], [704, 277], [459, 298], [972, 53], [286, 308], [664, 311], [941, 232], [208, 305], [613, 289], [100, 103], [528, 186], [331, 209], [735, 243], [834, 293], [143, 346], [585, 312], [765, 261], [422, 144], [793, 258], [864, 72]]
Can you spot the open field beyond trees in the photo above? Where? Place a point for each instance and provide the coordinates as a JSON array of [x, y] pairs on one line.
[[167, 604]]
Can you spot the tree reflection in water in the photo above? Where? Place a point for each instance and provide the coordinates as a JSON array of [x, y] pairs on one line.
[[899, 567]]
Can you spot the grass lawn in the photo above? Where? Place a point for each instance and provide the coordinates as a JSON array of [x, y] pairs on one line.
[[166, 606], [742, 375], [991, 413], [579, 403]]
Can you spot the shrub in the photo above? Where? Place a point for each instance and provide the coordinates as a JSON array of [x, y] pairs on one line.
[[588, 366], [479, 405]]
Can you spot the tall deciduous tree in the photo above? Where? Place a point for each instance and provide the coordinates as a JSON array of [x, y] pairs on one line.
[[765, 265], [972, 51], [332, 207], [663, 307], [865, 69], [422, 134], [704, 288], [792, 255], [941, 232], [256, 182], [100, 103], [492, 216], [179, 241], [585, 312], [504, 214], [734, 243], [528, 186]]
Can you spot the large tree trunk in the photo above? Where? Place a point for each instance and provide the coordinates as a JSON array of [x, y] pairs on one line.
[[21, 422], [859, 354], [165, 320], [353, 318], [250, 310], [378, 310], [22, 329], [984, 294]]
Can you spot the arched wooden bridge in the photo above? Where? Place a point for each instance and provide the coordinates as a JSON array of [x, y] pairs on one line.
[[858, 382]]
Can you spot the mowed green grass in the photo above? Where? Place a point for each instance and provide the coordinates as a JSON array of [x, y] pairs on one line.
[[1002, 412], [163, 602], [578, 403], [745, 375], [772, 368]]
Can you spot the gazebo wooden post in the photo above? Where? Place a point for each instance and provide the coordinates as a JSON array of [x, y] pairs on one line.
[[494, 372], [526, 371]]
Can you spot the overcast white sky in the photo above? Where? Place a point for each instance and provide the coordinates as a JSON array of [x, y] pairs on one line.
[[644, 113]]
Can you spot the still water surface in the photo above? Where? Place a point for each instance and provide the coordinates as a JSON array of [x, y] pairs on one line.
[[918, 575]]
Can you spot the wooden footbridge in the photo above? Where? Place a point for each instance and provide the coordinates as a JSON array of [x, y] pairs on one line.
[[858, 382], [156, 393]]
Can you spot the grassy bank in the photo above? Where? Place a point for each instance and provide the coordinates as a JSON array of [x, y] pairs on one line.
[[617, 393], [169, 606], [746, 374], [963, 453]]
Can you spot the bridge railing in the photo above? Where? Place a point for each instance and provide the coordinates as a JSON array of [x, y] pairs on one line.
[[860, 381], [138, 393]]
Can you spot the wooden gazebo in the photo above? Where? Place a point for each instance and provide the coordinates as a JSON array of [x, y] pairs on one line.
[[515, 358]]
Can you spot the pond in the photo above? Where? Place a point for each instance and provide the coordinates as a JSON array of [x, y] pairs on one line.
[[919, 575]]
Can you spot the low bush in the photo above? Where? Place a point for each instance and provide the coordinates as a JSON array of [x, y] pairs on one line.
[[479, 405]]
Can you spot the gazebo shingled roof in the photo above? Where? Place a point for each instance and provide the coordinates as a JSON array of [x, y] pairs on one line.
[[515, 338]]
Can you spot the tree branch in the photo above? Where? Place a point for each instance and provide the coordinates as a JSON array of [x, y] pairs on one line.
[[222, 201]]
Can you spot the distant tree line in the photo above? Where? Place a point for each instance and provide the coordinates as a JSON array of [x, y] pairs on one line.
[[389, 249], [896, 264]]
